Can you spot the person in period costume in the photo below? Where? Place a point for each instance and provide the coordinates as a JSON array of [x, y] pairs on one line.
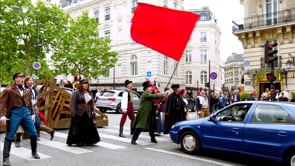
[[29, 83], [146, 117], [82, 128], [127, 107], [202, 104], [76, 81], [16, 109], [174, 109]]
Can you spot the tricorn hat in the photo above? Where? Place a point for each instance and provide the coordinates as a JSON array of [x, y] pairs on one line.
[[146, 84], [127, 82], [175, 86], [18, 74]]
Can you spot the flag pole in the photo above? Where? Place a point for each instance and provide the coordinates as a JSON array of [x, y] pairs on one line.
[[172, 74]]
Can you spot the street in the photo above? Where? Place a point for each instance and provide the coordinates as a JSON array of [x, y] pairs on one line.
[[114, 150]]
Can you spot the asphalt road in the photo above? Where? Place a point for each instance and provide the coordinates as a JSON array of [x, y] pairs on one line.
[[114, 150]]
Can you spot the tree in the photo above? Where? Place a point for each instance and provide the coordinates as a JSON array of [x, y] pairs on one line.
[[22, 26], [83, 51]]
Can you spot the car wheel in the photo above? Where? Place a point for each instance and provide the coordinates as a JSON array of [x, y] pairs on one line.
[[190, 143], [289, 159], [119, 110]]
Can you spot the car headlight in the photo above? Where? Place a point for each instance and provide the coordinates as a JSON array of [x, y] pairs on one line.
[[172, 126]]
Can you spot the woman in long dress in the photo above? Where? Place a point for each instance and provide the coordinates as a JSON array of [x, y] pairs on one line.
[[82, 129]]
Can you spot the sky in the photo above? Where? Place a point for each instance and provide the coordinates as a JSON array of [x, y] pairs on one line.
[[224, 13]]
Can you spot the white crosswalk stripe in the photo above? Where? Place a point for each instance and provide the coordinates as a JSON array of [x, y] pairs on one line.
[[109, 139]]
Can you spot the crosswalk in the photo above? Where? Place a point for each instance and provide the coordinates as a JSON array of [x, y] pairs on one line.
[[109, 140]]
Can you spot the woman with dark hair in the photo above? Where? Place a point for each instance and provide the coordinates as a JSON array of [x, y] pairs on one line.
[[76, 82], [82, 129]]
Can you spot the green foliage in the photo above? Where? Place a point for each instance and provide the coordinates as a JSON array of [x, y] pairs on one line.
[[22, 25], [244, 96], [82, 51], [293, 96]]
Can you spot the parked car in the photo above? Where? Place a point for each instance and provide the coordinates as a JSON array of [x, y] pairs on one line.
[[257, 128], [111, 100]]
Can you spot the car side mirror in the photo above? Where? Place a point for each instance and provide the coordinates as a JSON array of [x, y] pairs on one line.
[[212, 118]]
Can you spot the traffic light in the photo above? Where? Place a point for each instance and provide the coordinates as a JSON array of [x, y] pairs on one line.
[[269, 52]]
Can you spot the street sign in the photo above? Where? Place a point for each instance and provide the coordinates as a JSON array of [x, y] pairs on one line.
[[213, 75], [149, 74], [37, 65]]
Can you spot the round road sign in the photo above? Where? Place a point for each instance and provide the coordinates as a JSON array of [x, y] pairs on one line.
[[213, 75], [37, 65]]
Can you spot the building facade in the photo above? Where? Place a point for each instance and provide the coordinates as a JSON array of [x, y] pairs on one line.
[[270, 21], [234, 68], [136, 62]]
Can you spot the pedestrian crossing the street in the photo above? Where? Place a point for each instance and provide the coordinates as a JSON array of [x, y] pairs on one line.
[[109, 140]]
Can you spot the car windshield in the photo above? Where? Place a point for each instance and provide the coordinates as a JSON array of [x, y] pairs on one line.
[[108, 94]]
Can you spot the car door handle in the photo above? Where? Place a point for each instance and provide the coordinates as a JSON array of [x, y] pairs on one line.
[[282, 133], [235, 130]]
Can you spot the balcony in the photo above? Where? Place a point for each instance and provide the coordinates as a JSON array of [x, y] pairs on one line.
[[264, 21]]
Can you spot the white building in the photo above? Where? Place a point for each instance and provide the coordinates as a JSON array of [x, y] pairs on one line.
[[135, 60]]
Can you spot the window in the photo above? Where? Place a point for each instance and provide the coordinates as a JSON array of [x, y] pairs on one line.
[[165, 65], [188, 56], [107, 33], [107, 74], [203, 18], [134, 65], [175, 68], [165, 3], [203, 54], [235, 113], [188, 77], [203, 37], [203, 77], [96, 15], [107, 13], [266, 113], [271, 13], [133, 5]]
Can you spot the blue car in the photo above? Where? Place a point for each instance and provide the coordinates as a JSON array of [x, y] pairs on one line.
[[257, 128]]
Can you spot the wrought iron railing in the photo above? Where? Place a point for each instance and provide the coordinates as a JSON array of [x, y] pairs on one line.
[[265, 20]]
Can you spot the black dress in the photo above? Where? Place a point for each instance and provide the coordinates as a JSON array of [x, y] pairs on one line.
[[82, 129]]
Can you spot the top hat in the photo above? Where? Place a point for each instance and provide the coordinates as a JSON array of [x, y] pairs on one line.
[[18, 74], [146, 84], [127, 82], [175, 86]]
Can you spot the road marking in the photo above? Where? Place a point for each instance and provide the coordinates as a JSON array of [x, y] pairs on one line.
[[63, 146], [190, 157], [24, 153], [109, 146]]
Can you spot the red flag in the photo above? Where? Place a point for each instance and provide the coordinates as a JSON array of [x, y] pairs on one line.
[[164, 30]]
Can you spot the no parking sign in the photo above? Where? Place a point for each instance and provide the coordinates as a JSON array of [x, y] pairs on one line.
[[213, 75]]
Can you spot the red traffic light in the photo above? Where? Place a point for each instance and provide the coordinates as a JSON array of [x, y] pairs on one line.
[[271, 46]]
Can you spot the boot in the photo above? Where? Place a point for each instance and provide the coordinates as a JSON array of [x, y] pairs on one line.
[[135, 136], [34, 148], [152, 135], [6, 152], [131, 128], [121, 131], [17, 140]]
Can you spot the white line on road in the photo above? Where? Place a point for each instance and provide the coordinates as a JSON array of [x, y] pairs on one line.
[[24, 153], [190, 157], [63, 146]]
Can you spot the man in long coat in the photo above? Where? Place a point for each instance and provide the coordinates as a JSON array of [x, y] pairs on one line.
[[145, 118]]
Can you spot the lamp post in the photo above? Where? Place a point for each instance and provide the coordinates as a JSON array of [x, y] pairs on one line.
[[36, 64]]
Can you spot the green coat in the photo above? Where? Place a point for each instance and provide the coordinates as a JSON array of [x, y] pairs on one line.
[[145, 117]]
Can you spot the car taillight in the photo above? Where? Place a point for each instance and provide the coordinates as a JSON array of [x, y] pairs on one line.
[[112, 99]]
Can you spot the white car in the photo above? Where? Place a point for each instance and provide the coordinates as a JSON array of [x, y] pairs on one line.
[[111, 100]]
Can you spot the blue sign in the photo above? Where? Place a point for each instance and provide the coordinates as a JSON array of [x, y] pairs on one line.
[[213, 75], [37, 65], [246, 63], [148, 74]]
